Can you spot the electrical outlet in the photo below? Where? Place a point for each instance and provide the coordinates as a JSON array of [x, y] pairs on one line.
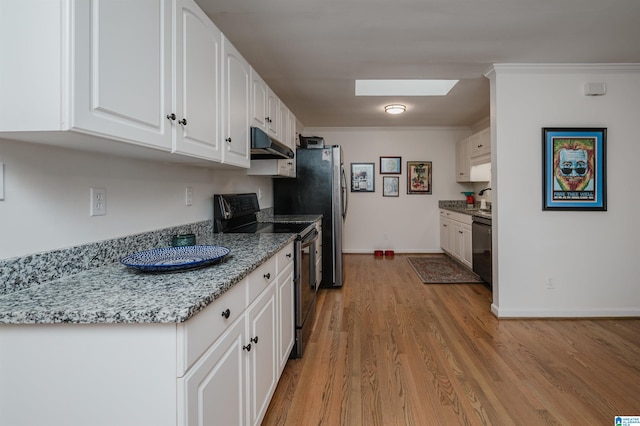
[[550, 284], [98, 206], [188, 196]]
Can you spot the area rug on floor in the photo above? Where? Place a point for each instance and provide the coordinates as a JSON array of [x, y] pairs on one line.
[[440, 269]]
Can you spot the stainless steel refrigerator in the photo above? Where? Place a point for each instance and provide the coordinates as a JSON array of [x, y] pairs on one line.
[[319, 188]]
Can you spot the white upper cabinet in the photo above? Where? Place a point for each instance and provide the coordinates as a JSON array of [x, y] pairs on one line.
[[463, 160], [121, 75], [100, 68], [259, 93], [147, 73], [236, 107], [197, 71], [481, 147], [470, 152], [266, 107], [273, 120]]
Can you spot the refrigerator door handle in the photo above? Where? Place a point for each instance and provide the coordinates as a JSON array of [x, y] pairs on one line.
[[345, 193]]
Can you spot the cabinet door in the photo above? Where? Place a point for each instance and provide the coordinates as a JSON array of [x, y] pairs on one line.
[[455, 238], [273, 111], [463, 164], [236, 94], [467, 253], [197, 83], [445, 226], [261, 334], [286, 324], [481, 143], [122, 70], [292, 139], [213, 392], [259, 101]]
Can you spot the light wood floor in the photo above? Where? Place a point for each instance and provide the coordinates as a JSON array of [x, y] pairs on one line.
[[389, 350]]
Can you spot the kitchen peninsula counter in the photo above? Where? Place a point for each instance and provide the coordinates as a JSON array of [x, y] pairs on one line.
[[118, 294]]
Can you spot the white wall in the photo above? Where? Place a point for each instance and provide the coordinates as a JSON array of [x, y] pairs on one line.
[[592, 257], [408, 223], [46, 203]]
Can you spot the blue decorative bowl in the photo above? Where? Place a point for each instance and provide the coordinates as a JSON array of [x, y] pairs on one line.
[[174, 258]]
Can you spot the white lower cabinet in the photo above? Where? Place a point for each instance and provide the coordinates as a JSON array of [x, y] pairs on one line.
[[261, 324], [286, 317], [455, 236], [233, 382], [214, 391], [220, 367]]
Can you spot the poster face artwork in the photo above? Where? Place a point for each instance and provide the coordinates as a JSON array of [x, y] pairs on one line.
[[574, 168]]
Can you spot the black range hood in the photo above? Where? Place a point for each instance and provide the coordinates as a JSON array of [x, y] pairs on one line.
[[264, 147]]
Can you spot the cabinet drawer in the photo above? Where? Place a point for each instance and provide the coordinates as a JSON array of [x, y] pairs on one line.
[[197, 334], [458, 217], [261, 278], [284, 258]]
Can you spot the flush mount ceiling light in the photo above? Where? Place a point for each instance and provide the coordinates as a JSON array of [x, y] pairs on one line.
[[404, 87], [395, 109]]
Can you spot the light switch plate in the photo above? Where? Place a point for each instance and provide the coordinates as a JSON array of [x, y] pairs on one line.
[[1, 181]]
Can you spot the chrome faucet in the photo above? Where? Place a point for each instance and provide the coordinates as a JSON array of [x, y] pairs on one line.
[[482, 191]]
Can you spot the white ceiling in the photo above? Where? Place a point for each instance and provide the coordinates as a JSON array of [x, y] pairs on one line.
[[310, 52]]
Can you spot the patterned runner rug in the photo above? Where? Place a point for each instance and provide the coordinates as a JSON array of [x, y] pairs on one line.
[[441, 269]]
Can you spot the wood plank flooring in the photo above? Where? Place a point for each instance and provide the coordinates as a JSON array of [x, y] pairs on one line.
[[389, 350]]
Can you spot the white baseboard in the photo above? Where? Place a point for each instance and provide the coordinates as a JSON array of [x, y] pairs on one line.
[[565, 313], [397, 251]]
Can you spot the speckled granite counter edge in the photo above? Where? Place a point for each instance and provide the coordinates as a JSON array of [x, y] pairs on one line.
[[117, 294], [22, 272], [460, 206]]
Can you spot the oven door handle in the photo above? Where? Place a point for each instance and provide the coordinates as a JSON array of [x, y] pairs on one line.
[[309, 239]]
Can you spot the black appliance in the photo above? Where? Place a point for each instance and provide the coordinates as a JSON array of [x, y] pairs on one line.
[[263, 147], [320, 187], [481, 246], [236, 213]]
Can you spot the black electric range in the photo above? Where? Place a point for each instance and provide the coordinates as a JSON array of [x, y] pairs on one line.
[[237, 213]]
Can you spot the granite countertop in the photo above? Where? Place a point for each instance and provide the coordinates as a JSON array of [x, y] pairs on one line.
[[464, 210], [118, 294], [300, 218], [461, 207]]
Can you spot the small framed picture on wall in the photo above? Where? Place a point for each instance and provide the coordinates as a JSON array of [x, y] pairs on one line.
[[362, 177], [390, 186], [390, 165], [418, 177]]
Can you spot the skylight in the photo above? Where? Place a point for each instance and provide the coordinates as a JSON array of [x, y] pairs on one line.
[[404, 87]]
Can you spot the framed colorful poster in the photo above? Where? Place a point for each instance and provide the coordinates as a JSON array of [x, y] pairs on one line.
[[419, 177], [362, 177], [390, 165], [390, 186], [574, 168]]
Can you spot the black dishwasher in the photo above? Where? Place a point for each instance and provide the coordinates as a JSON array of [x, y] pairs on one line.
[[481, 246]]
